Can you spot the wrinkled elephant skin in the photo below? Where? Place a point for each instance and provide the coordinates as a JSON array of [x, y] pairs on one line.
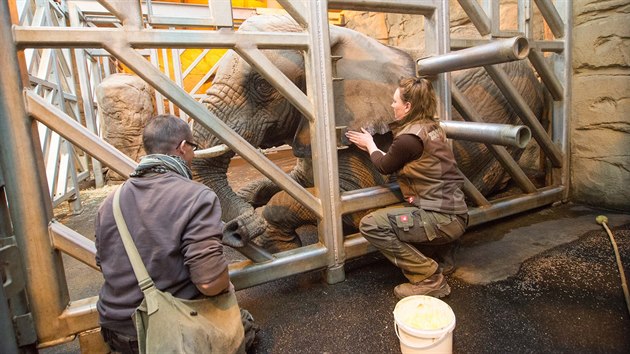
[[260, 114]]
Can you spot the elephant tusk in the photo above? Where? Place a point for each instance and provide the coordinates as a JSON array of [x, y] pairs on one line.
[[212, 152]]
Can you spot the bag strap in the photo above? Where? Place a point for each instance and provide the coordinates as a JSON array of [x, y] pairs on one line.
[[144, 280]]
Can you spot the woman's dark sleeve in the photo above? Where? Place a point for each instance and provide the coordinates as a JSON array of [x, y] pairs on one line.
[[404, 148]]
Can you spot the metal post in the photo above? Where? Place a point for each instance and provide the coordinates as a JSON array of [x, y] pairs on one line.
[[437, 42], [549, 12], [492, 7], [86, 92], [159, 99], [562, 109], [547, 75], [318, 69], [477, 16], [8, 343], [30, 205]]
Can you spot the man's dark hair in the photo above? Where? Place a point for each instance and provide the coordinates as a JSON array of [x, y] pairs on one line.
[[162, 134]]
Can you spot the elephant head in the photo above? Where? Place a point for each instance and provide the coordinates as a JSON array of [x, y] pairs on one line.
[[251, 106]]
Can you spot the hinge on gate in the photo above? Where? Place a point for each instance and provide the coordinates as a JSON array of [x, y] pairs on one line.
[[334, 59], [11, 269], [24, 329], [342, 141], [13, 283]]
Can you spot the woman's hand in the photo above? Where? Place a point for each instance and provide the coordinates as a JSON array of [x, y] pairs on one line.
[[362, 139]]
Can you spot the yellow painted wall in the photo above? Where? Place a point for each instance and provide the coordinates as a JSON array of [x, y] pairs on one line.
[[190, 55], [235, 3]]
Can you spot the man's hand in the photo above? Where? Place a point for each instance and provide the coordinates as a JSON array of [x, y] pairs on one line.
[[216, 287]]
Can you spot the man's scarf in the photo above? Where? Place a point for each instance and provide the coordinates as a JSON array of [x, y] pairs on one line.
[[159, 163]]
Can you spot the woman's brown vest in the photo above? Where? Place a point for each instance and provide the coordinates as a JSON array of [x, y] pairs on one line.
[[432, 182]]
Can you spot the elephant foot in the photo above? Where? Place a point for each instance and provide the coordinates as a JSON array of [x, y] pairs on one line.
[[275, 243]]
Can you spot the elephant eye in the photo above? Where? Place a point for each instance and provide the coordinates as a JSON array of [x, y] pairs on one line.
[[260, 89]]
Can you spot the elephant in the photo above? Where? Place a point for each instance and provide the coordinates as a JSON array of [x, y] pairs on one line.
[[247, 103]]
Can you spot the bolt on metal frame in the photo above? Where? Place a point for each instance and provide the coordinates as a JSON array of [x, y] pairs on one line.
[[58, 319]]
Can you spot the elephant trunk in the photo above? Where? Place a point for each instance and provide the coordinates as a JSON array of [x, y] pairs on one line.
[[242, 223]]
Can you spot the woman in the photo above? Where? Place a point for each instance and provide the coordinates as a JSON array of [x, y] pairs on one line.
[[434, 212]]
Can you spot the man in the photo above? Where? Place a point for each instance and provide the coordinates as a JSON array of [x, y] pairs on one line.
[[176, 226]]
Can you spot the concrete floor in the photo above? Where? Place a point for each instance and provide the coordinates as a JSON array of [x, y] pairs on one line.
[[541, 281], [544, 281]]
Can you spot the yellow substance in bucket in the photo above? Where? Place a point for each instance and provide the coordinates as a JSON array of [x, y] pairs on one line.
[[426, 317], [424, 325]]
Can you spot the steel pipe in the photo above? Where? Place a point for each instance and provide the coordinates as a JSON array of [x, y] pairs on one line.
[[495, 52], [56, 37], [379, 196], [546, 74], [80, 136], [128, 12], [86, 91], [463, 106], [477, 16], [549, 12], [412, 7], [318, 72], [547, 46], [473, 194], [515, 205], [488, 133], [233, 237], [357, 246], [73, 244], [296, 10], [253, 252], [30, 206], [517, 102], [78, 316], [367, 198], [277, 78], [247, 274]]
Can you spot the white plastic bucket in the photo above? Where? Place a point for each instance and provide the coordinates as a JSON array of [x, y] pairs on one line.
[[424, 324]]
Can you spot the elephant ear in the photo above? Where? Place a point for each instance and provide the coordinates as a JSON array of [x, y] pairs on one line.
[[369, 73], [365, 76]]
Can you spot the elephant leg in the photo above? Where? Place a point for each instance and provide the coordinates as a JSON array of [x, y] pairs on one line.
[[356, 171], [260, 192], [284, 215]]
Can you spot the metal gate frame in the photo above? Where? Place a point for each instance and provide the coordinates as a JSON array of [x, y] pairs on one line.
[[41, 240]]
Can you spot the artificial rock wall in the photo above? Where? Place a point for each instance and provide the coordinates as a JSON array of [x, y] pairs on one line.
[[599, 117], [125, 104]]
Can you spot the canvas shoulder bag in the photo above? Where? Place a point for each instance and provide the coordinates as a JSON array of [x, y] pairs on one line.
[[166, 324]]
